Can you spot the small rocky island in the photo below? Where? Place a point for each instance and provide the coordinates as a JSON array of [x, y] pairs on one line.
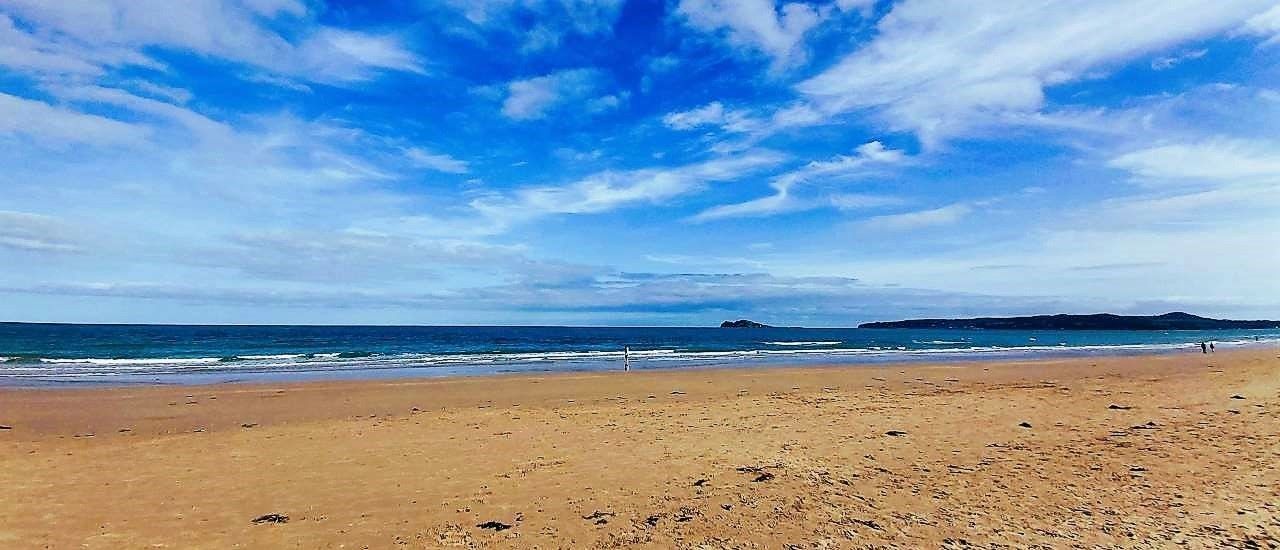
[[1101, 321], [743, 323]]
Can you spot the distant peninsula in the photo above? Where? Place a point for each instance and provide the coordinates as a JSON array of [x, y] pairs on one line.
[[1100, 321], [743, 323]]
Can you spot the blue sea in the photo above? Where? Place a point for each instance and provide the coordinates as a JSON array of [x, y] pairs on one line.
[[59, 354]]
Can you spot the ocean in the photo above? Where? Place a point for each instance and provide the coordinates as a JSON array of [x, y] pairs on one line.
[[61, 354]]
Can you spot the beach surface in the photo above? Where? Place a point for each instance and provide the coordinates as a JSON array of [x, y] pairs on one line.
[[1140, 451]]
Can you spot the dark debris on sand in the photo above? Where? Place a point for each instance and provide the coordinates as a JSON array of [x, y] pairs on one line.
[[495, 525], [869, 523], [762, 475], [599, 517], [895, 433], [271, 518]]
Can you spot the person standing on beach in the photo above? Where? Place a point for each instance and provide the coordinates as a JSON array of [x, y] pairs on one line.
[[1204, 349], [1211, 346]]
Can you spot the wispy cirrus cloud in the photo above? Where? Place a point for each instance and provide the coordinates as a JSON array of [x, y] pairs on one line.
[[943, 215], [1212, 161], [86, 37], [1168, 62], [58, 126], [36, 232], [867, 158], [1266, 25], [608, 190], [940, 69], [436, 161]]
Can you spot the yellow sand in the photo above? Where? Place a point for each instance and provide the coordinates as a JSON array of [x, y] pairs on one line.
[[749, 458]]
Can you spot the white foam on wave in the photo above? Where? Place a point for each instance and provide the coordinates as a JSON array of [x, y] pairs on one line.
[[126, 362], [332, 361], [279, 356]]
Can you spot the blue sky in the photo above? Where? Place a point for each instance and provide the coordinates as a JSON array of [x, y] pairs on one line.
[[636, 162]]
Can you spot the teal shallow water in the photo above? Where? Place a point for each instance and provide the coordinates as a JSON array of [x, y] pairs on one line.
[[44, 354]]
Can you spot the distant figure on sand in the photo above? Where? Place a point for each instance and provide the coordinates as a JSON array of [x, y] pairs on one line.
[[626, 358], [1203, 348], [1211, 346]]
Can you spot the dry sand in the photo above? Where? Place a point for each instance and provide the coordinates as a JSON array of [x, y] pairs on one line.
[[749, 458]]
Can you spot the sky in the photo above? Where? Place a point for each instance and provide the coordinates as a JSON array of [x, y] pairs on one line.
[[636, 162]]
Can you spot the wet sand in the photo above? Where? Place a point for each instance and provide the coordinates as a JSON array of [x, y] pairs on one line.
[[1114, 452]]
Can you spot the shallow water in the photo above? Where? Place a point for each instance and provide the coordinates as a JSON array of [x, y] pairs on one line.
[[52, 354]]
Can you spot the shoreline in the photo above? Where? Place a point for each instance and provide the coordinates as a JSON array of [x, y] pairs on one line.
[[742, 360], [1149, 449]]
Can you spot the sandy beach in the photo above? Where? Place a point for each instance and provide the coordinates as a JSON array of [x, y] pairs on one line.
[[1141, 451]]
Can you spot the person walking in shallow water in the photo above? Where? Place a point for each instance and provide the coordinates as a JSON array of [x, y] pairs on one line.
[[1204, 349], [1211, 347]]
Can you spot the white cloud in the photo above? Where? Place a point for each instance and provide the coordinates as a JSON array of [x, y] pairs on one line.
[[866, 157], [686, 297], [348, 55], [160, 91], [1214, 161], [57, 126], [945, 215], [532, 98], [712, 114], [25, 52], [859, 201], [862, 6], [83, 36], [569, 154], [555, 19], [748, 126], [657, 68], [35, 232], [941, 68], [436, 161], [586, 16], [352, 255], [756, 25], [199, 125], [609, 190], [607, 102], [779, 202], [1169, 62], [1266, 24], [663, 64]]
